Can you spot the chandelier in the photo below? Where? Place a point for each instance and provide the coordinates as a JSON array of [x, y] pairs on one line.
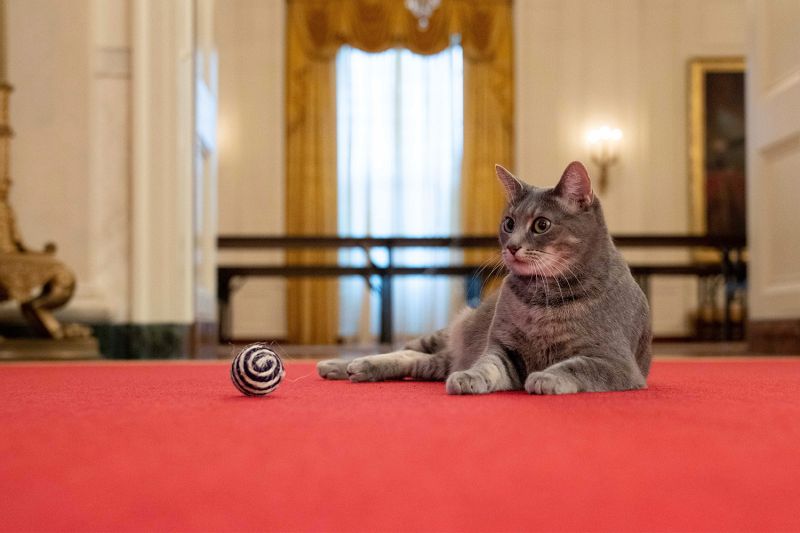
[[422, 10]]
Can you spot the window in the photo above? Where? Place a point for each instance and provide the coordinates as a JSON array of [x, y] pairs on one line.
[[400, 137]]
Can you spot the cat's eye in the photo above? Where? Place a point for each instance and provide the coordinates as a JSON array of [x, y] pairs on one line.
[[508, 224], [541, 225]]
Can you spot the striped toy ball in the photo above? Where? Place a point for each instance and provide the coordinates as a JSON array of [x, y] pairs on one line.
[[257, 370]]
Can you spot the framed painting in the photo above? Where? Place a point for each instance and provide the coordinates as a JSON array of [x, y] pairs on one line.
[[717, 146]]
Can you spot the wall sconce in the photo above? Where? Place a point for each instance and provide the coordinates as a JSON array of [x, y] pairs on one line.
[[604, 149]]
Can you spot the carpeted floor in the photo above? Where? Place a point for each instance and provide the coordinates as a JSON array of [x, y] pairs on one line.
[[710, 446]]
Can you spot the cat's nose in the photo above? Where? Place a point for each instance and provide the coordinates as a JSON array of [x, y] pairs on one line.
[[513, 249]]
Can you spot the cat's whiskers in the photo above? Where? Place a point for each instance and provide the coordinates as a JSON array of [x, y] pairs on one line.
[[559, 261], [491, 261], [586, 292], [546, 269], [495, 262], [570, 310], [498, 265], [554, 268], [561, 273], [542, 273], [594, 290], [535, 265], [559, 290], [491, 264], [567, 265], [533, 280], [535, 277]]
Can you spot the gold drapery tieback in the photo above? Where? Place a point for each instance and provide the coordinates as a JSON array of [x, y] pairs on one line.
[[316, 29]]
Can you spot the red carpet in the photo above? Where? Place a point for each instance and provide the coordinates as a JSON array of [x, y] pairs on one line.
[[711, 446]]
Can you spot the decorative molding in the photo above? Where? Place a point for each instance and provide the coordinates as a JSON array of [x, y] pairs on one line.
[[162, 272]]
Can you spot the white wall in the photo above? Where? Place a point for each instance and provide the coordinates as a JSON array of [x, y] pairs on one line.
[[580, 64], [250, 37], [70, 65]]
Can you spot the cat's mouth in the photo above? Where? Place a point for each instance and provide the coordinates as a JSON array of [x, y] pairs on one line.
[[521, 266], [529, 263]]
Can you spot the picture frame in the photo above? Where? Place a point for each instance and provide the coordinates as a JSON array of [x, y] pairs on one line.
[[717, 146]]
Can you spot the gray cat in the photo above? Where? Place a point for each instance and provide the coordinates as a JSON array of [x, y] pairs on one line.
[[568, 317]]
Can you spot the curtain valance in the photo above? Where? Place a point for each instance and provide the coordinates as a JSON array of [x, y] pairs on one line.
[[376, 25]]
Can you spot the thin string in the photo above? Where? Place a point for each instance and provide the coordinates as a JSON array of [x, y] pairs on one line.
[[276, 350], [298, 379]]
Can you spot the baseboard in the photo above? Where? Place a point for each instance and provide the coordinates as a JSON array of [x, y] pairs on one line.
[[126, 341], [144, 341], [205, 339], [774, 336], [49, 349]]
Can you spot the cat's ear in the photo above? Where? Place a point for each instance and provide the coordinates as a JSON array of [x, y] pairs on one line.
[[512, 186], [575, 185]]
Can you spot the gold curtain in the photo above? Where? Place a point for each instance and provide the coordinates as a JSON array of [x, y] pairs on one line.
[[315, 31]]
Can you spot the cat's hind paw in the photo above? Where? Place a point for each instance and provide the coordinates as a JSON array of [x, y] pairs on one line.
[[549, 383], [467, 382], [333, 368]]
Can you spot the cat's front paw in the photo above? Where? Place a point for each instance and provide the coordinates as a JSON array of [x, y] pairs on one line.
[[333, 368], [362, 369], [549, 383], [466, 382]]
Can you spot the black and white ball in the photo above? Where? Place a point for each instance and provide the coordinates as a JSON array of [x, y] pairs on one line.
[[257, 370]]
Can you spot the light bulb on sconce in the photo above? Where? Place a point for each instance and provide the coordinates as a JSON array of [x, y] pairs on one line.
[[604, 145]]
